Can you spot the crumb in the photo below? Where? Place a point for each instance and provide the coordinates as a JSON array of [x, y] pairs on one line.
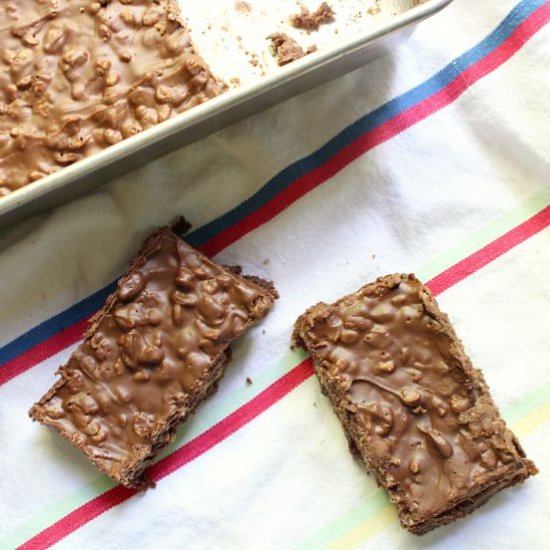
[[242, 7], [263, 331], [311, 49], [374, 9], [248, 381], [311, 21], [235, 80], [373, 256], [284, 48], [266, 261]]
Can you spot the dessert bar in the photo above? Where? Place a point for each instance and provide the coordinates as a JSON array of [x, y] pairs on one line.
[[151, 355], [410, 402]]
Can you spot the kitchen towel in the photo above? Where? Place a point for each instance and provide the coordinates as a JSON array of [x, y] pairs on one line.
[[432, 160]]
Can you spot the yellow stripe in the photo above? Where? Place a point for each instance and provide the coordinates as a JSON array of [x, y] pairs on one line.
[[387, 516], [529, 423], [375, 525]]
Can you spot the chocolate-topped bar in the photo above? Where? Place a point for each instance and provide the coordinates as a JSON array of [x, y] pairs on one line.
[[77, 77], [410, 402], [151, 355]]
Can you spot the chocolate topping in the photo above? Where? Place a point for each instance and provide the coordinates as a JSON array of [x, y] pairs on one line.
[[76, 77], [420, 415], [150, 356]]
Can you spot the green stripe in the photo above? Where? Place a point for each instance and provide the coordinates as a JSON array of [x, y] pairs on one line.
[[356, 516], [367, 509], [56, 511], [482, 238], [534, 400], [220, 408], [211, 413]]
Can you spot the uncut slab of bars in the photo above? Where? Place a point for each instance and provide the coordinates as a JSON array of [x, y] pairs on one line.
[[77, 77]]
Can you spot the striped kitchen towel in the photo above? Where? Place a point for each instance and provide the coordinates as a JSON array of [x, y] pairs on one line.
[[431, 160]]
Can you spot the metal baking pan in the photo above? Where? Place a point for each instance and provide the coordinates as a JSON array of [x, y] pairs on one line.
[[233, 105]]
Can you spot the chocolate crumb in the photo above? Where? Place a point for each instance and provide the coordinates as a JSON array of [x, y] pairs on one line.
[[285, 49], [248, 381], [242, 7], [374, 9], [311, 21]]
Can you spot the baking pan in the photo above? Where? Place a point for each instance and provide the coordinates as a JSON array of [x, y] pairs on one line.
[[233, 105]]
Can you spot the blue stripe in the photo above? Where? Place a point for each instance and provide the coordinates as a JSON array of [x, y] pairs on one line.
[[55, 324], [389, 110], [294, 171]]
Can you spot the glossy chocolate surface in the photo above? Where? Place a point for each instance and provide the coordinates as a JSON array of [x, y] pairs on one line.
[[151, 355], [78, 76], [417, 411]]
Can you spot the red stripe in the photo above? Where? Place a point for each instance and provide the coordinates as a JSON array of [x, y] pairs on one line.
[[189, 452], [42, 351], [382, 133], [459, 271]]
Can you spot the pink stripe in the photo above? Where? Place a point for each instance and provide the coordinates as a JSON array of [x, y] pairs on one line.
[[189, 452], [459, 271], [382, 133], [42, 351]]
